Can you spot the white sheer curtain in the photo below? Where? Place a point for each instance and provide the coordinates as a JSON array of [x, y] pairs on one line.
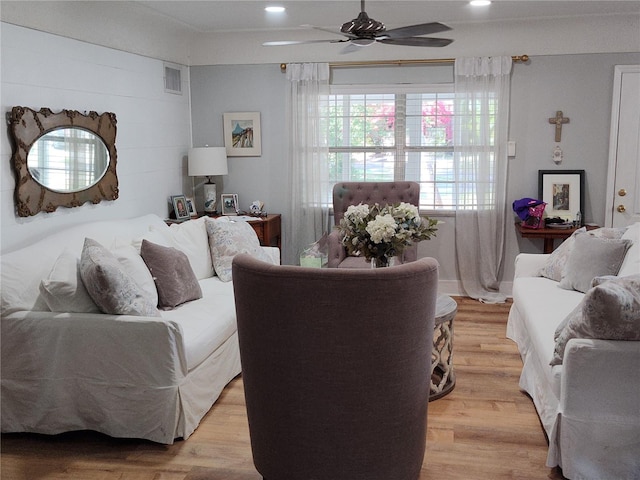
[[480, 158], [306, 219]]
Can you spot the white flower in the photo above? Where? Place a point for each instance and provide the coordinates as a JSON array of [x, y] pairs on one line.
[[375, 232], [357, 213], [382, 228], [408, 211]]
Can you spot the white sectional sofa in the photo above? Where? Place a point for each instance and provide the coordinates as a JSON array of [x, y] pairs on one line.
[[151, 377], [589, 404]]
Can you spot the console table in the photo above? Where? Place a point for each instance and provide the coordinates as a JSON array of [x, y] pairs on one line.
[[267, 228], [548, 234]]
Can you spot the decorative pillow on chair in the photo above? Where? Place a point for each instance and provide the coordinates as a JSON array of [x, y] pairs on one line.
[[110, 286], [609, 311], [63, 290], [592, 257], [170, 268], [227, 239]]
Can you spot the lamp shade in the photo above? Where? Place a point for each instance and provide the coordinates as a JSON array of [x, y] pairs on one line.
[[207, 161]]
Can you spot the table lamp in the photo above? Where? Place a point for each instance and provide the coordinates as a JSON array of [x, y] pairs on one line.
[[207, 162]]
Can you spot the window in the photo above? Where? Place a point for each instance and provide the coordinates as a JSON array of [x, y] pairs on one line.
[[65, 159], [389, 136]]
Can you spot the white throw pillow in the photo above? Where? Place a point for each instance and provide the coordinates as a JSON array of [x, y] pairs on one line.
[[134, 265], [592, 257], [191, 238], [112, 289], [631, 264], [554, 266], [63, 290], [557, 261], [229, 238]]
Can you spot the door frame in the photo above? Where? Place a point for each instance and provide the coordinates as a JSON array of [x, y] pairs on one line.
[[619, 71]]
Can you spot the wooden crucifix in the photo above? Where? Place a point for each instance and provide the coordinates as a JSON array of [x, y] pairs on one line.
[[558, 120]]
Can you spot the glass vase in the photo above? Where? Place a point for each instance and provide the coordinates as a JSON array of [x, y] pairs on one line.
[[384, 261]]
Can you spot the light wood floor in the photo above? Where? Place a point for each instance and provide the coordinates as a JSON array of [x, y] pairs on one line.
[[485, 429]]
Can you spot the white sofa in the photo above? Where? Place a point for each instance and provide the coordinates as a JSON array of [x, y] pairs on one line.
[[589, 405], [123, 375]]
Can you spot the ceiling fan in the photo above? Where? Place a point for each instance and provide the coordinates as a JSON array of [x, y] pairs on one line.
[[363, 31]]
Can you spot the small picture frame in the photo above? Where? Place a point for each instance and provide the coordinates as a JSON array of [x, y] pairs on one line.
[[242, 134], [180, 207], [229, 203], [191, 206], [563, 192]]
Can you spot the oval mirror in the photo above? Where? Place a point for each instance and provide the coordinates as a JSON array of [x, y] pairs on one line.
[[62, 159], [68, 159]]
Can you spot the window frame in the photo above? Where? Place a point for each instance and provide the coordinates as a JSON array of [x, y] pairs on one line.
[[400, 149]]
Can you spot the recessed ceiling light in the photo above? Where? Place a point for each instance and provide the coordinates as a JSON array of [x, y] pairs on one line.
[[479, 3], [274, 9]]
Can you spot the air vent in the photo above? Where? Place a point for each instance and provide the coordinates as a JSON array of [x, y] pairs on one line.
[[172, 79]]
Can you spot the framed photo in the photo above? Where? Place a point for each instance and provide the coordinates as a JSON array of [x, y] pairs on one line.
[[562, 191], [191, 206], [242, 134], [180, 207], [229, 203]]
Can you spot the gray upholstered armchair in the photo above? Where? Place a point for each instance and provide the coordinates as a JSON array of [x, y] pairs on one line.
[[353, 193], [335, 365]]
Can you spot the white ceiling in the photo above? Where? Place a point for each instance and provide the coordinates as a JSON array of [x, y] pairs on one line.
[[209, 32], [241, 15]]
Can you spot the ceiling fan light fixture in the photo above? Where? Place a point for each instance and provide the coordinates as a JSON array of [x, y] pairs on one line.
[[363, 42]]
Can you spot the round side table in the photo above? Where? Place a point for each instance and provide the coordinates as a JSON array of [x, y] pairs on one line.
[[442, 376]]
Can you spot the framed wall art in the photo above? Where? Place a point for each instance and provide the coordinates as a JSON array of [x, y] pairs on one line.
[[563, 192], [229, 203], [180, 207], [242, 134]]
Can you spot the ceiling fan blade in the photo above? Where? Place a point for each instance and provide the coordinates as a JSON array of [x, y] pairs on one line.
[[417, 41], [415, 30], [330, 30], [279, 43]]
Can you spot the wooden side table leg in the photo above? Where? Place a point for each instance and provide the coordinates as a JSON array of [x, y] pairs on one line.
[[548, 245]]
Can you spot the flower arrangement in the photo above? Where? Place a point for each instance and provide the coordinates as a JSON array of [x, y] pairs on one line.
[[380, 233]]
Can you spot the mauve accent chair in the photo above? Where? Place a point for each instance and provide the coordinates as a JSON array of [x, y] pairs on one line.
[[354, 193], [336, 366]]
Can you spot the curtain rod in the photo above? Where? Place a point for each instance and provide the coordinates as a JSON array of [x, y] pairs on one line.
[[399, 63]]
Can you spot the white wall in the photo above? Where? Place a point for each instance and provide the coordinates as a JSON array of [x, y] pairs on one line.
[[43, 70], [579, 85]]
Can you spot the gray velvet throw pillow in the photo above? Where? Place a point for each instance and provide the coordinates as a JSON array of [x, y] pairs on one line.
[[112, 289], [592, 257], [171, 271]]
